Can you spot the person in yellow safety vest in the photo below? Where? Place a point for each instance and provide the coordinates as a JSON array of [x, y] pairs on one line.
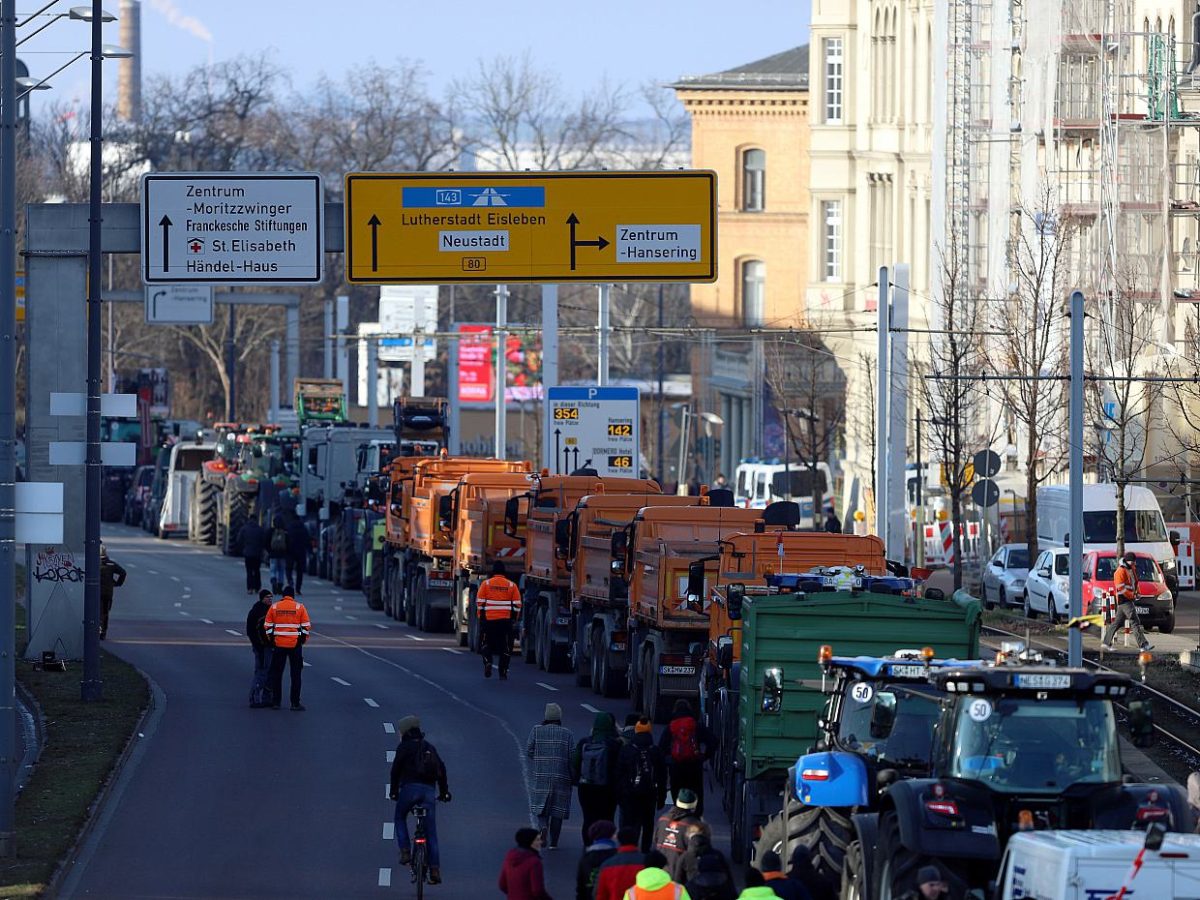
[[287, 627], [1125, 584], [656, 884], [498, 605]]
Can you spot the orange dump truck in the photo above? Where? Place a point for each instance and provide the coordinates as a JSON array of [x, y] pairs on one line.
[[546, 616], [420, 553], [599, 595], [481, 540], [667, 629]]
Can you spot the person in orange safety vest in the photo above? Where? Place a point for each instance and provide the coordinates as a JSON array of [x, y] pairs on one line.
[[1125, 584], [498, 605], [287, 628]]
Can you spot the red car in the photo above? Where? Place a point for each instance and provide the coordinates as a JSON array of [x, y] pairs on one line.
[[1154, 604]]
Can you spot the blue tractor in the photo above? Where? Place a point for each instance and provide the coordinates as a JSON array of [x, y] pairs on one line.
[[875, 730]]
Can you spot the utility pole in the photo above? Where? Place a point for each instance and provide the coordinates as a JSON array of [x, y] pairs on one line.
[[231, 363], [500, 379], [1075, 480], [881, 411], [604, 333], [920, 536], [662, 366]]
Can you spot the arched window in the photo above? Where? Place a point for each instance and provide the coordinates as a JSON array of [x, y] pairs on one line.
[[754, 286], [754, 180]]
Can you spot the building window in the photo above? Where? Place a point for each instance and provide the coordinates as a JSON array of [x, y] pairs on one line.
[[833, 81], [831, 240], [754, 283], [754, 180]]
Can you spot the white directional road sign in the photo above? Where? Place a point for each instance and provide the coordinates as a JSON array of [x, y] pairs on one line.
[[179, 304], [592, 427], [232, 228]]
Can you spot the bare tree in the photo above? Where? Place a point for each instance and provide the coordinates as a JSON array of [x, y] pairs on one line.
[[1032, 347]]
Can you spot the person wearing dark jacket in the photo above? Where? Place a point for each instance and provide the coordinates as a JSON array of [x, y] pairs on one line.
[[599, 847], [672, 830], [712, 880], [416, 770], [619, 872], [252, 538], [787, 888], [685, 744], [262, 649], [521, 876], [298, 544], [833, 524], [641, 782], [597, 789], [803, 871], [699, 844], [277, 553], [112, 576]]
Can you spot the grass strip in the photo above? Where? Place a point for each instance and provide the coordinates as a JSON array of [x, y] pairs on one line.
[[83, 743]]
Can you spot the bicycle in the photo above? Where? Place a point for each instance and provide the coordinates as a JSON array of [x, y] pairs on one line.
[[419, 865]]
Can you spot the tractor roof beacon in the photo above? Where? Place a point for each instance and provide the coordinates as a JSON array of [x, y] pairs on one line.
[[1019, 746]]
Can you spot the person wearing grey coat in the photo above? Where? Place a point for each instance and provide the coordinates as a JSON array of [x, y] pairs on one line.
[[549, 747]]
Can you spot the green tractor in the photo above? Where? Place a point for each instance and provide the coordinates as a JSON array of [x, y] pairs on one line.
[[203, 517], [264, 483]]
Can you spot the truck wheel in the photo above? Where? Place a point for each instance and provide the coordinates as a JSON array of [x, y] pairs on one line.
[[597, 660], [410, 605], [529, 635], [585, 672], [898, 866], [472, 621], [605, 682], [854, 874], [558, 656], [826, 831], [738, 834], [375, 593], [656, 709]]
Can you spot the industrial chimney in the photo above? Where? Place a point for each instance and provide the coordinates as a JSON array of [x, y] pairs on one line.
[[129, 73]]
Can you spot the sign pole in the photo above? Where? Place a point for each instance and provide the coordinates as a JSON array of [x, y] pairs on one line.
[[881, 409], [1075, 470], [273, 415], [417, 369], [373, 382], [501, 346], [603, 334], [328, 369]]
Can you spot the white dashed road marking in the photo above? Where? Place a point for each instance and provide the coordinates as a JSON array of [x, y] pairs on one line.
[[589, 707], [391, 755], [381, 625], [389, 727], [340, 681], [387, 791], [389, 831], [308, 665], [385, 877], [337, 609], [352, 618], [234, 633], [207, 621], [371, 703], [174, 577], [184, 612], [151, 572], [179, 604], [412, 637], [453, 650], [548, 687]]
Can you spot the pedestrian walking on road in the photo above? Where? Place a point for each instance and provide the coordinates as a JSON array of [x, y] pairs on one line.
[[653, 883], [712, 880], [619, 872], [260, 691], [686, 743], [417, 770], [671, 831], [498, 605], [599, 847], [253, 540], [111, 576], [787, 888], [641, 782], [549, 747], [1125, 584], [803, 871], [699, 844], [277, 551], [594, 764], [521, 876], [298, 544], [287, 626]]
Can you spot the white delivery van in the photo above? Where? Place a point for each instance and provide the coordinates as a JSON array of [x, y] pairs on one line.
[[187, 458], [1094, 865], [756, 485], [1145, 530]]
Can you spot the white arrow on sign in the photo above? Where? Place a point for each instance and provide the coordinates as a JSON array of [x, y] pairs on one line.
[[179, 304]]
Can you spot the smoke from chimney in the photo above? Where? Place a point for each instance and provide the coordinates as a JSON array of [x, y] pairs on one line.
[[129, 71]]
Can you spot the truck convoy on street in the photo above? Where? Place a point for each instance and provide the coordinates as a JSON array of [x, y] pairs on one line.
[[900, 751]]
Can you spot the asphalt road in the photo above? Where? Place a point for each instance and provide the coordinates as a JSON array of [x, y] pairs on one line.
[[227, 801]]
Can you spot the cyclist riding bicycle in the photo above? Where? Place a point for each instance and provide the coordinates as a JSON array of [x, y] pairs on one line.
[[416, 770]]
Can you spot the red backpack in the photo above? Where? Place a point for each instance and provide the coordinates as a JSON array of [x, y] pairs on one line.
[[684, 747]]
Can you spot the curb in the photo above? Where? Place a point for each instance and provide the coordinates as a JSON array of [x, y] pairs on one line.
[[31, 712], [62, 883]]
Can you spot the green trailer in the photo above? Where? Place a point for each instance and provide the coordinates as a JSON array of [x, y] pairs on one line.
[[765, 714]]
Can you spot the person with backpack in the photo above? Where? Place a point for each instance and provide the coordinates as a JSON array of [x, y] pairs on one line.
[[619, 872], [686, 743], [641, 782], [260, 693], [549, 747], [416, 771], [699, 844], [277, 552], [594, 764], [598, 849], [671, 831]]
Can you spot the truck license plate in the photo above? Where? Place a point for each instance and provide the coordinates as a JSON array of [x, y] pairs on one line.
[[1044, 681], [677, 670], [1142, 610], [906, 671], [440, 583]]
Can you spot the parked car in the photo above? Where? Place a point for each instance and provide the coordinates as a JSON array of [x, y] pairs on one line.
[[1155, 606], [138, 494], [1047, 589], [1004, 576]]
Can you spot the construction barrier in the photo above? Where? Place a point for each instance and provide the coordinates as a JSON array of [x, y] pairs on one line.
[[939, 543]]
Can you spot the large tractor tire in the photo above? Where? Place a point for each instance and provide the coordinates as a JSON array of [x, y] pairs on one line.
[[237, 510], [194, 512], [825, 831], [112, 501], [896, 866], [202, 521]]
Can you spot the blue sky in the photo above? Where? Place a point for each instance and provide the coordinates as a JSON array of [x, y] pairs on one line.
[[629, 41]]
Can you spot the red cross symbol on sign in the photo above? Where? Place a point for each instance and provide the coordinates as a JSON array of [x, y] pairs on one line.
[[195, 245]]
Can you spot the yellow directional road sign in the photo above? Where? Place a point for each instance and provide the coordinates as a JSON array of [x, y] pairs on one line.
[[436, 228]]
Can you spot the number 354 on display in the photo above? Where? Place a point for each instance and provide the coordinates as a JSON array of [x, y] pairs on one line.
[[562, 413]]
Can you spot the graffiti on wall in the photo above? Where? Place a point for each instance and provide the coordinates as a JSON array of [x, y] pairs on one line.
[[56, 566]]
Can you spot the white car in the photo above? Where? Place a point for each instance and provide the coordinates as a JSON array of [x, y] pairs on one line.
[[1047, 589], [1004, 576]]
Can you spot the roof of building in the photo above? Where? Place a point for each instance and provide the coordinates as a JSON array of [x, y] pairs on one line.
[[786, 71]]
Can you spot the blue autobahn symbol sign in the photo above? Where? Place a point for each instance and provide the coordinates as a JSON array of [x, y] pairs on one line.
[[443, 197]]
